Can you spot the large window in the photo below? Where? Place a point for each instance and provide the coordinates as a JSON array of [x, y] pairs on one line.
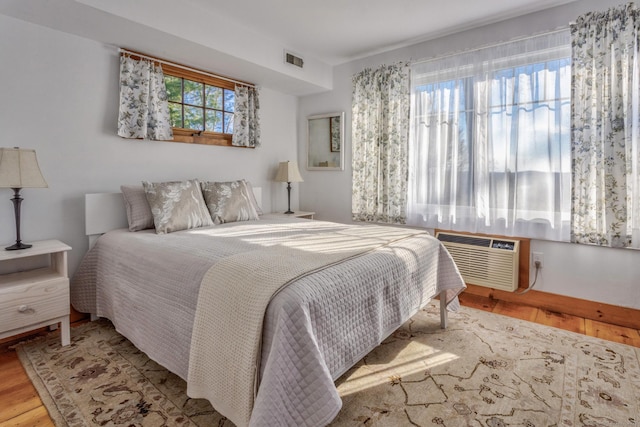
[[490, 143]]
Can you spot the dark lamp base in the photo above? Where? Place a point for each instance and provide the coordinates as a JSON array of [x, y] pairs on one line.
[[289, 211], [17, 201], [17, 246]]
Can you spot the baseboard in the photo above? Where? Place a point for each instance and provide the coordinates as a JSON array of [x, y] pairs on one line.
[[601, 312]]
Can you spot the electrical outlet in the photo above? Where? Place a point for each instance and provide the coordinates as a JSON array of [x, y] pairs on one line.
[[537, 258]]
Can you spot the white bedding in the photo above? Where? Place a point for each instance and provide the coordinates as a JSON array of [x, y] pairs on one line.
[[314, 330]]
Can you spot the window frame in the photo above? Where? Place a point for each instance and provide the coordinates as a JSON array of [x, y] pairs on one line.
[[468, 83], [430, 210], [191, 136]]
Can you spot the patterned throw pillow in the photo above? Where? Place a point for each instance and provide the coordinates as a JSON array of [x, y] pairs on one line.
[[139, 213], [176, 205], [228, 201]]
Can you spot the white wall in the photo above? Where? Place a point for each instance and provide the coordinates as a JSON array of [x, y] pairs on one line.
[[60, 97], [598, 274]]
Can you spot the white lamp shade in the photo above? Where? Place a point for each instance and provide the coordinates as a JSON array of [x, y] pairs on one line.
[[288, 172], [19, 169]]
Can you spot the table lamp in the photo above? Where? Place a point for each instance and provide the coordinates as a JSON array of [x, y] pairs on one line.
[[288, 172], [19, 169]]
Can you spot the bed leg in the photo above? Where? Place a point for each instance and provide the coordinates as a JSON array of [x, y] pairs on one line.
[[443, 310]]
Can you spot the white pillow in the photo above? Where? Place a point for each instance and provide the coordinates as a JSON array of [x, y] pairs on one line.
[[139, 214], [252, 197]]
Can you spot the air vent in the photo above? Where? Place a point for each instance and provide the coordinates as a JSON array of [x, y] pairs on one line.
[[484, 261], [290, 58]]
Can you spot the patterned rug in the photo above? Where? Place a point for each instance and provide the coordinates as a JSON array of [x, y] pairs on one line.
[[484, 370]]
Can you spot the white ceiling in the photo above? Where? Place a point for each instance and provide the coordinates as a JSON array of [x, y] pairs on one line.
[[337, 31], [245, 39]]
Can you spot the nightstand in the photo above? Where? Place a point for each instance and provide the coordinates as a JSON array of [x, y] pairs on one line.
[[297, 214], [33, 297]]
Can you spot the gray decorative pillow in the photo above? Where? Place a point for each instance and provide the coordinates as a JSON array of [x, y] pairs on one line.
[[176, 205], [252, 198], [228, 201], [139, 213]]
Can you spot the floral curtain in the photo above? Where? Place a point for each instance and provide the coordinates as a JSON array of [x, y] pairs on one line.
[[144, 110], [246, 119], [380, 133], [605, 155]]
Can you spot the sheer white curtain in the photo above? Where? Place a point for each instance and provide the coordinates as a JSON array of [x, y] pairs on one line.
[[489, 145]]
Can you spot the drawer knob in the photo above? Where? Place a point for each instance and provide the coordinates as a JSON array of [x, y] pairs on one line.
[[23, 308]]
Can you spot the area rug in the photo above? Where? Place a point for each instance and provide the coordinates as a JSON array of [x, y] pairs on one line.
[[484, 370]]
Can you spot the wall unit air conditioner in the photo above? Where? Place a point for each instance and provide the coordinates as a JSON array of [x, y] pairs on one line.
[[484, 261]]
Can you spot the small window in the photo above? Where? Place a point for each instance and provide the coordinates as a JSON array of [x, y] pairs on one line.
[[201, 106]]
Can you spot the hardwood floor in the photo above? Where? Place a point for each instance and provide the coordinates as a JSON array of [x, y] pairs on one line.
[[20, 404], [568, 322]]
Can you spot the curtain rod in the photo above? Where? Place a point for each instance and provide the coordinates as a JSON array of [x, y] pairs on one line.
[[173, 64], [490, 45]]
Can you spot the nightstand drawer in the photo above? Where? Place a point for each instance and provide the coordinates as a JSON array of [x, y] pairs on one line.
[[30, 303]]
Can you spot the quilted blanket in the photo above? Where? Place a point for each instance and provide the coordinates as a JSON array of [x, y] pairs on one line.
[[237, 291], [315, 328]]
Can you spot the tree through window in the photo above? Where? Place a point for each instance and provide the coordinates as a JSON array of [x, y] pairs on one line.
[[200, 106]]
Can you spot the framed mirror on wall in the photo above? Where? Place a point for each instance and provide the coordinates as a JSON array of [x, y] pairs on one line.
[[325, 141]]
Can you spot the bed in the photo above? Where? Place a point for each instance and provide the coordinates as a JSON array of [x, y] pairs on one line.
[[259, 316]]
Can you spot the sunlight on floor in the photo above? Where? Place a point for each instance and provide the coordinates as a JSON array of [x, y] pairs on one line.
[[413, 359]]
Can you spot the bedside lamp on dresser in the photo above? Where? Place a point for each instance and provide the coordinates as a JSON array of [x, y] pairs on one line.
[[288, 172], [30, 297]]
